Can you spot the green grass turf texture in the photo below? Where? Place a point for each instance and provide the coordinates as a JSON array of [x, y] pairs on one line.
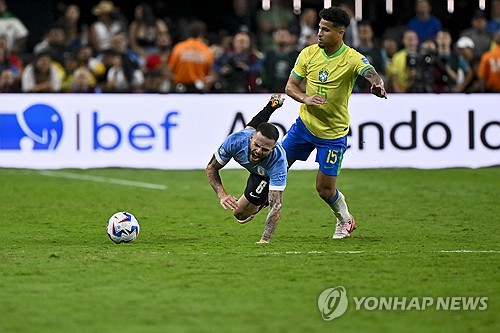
[[194, 269]]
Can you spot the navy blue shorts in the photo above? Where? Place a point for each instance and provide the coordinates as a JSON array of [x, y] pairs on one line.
[[299, 142]]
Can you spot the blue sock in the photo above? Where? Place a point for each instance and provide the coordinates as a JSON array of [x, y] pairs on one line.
[[335, 197]]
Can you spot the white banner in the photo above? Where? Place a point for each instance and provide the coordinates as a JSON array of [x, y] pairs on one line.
[[51, 131]]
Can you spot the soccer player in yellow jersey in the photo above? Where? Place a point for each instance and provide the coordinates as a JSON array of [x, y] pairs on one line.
[[330, 69]]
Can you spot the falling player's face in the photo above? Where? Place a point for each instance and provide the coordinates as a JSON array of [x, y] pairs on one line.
[[328, 35], [260, 147]]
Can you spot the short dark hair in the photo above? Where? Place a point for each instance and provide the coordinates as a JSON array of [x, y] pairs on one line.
[[365, 22], [197, 28], [268, 130], [335, 15]]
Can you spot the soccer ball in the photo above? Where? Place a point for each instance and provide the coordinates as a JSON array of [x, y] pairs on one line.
[[123, 227]]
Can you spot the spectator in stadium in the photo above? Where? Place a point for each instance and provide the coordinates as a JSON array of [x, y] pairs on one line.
[[454, 66], [351, 36], [424, 23], [323, 121], [389, 48], [278, 16], [465, 49], [191, 61], [279, 61], [481, 36], [54, 44], [105, 27], [307, 26], [159, 75], [122, 77], [107, 59], [494, 23], [241, 18], [371, 51], [256, 148], [41, 75], [424, 70], [8, 82], [489, 68], [76, 34], [144, 30], [239, 67], [14, 30], [12, 58], [5, 63], [69, 66], [398, 72], [82, 82], [120, 44], [85, 58]]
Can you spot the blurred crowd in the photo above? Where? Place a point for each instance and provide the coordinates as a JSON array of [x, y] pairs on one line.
[[255, 52]]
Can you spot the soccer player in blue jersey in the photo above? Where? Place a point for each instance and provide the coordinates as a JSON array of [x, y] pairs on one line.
[[256, 148], [330, 69]]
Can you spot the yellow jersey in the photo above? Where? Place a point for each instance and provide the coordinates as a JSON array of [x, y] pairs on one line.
[[333, 77]]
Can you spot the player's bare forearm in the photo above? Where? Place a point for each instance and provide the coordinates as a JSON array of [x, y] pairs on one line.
[[213, 176], [273, 217], [293, 90], [377, 87]]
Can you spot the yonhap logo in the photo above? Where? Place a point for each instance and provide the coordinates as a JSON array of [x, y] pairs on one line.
[[40, 127], [332, 303]]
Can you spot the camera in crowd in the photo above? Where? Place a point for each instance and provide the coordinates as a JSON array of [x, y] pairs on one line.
[[427, 68], [421, 60]]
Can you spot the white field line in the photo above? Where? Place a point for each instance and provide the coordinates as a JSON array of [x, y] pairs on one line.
[[98, 179], [469, 251], [330, 252], [374, 252]]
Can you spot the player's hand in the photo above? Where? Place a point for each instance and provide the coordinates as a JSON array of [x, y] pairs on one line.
[[229, 201], [262, 242], [378, 90], [314, 100], [276, 101]]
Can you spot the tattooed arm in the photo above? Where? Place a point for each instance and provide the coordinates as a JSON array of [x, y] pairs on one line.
[[273, 217], [212, 172], [377, 87]]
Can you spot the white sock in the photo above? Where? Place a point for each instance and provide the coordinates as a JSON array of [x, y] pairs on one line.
[[339, 208]]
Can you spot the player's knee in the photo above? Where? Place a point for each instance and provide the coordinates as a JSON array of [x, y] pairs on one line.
[[326, 193], [240, 215]]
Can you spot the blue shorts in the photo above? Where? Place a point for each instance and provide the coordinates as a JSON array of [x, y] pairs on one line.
[[299, 142]]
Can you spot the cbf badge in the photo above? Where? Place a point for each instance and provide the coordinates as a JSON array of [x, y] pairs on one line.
[[323, 75]]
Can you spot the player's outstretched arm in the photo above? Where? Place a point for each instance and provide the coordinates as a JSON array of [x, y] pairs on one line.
[[377, 87], [213, 176], [273, 217], [275, 102]]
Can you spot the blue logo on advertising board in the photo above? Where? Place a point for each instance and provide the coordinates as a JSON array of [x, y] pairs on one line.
[[40, 127]]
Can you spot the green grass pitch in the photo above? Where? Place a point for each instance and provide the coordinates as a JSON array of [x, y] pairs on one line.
[[424, 233]]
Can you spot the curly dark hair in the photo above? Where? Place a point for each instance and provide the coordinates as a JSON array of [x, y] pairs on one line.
[[335, 15]]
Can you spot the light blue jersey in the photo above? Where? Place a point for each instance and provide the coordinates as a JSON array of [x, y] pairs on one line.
[[274, 166]]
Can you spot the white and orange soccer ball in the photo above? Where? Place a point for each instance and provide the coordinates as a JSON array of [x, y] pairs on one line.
[[123, 227]]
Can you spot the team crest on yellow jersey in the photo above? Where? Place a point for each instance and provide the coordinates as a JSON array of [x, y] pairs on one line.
[[323, 75]]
